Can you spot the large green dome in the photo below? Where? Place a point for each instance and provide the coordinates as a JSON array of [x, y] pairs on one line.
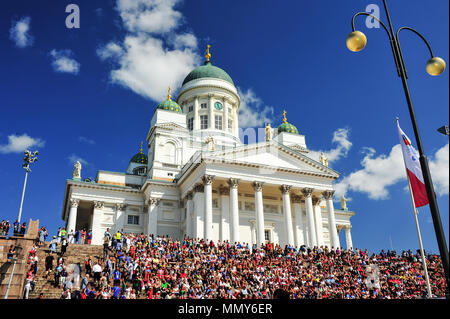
[[139, 158], [208, 71], [169, 105], [288, 128]]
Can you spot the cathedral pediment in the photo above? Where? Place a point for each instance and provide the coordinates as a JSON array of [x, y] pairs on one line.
[[274, 155]]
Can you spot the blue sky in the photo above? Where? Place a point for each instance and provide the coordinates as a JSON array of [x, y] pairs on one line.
[[89, 94]]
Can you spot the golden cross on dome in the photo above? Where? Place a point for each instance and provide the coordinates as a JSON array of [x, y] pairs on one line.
[[208, 55], [284, 116], [169, 97], [141, 147]]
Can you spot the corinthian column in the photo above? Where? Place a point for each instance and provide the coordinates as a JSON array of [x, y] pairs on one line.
[[331, 219], [97, 235], [189, 209], [259, 212], [211, 122], [234, 210], [287, 214], [348, 237], [152, 226], [72, 220], [310, 217], [225, 213], [196, 117], [318, 220], [298, 229], [207, 182]]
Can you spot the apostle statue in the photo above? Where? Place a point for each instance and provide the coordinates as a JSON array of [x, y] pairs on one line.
[[323, 159], [269, 132], [77, 170], [344, 203], [210, 141]]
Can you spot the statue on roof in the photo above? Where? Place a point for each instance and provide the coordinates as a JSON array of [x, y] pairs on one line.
[[210, 141], [269, 132], [344, 203], [323, 159], [77, 170]]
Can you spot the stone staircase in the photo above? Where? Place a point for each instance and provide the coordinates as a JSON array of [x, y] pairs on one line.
[[75, 253]]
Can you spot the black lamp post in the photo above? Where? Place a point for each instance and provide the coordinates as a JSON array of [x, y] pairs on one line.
[[356, 41]]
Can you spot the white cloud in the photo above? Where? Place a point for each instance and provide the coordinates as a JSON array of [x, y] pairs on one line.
[[340, 137], [152, 55], [151, 16], [439, 168], [252, 111], [63, 62], [378, 173], [85, 140], [73, 158], [20, 33], [19, 143]]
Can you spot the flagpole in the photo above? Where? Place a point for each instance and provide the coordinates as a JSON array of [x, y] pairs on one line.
[[424, 262]]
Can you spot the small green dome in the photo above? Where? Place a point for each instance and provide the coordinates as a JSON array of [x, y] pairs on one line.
[[288, 128], [139, 158], [208, 71], [169, 105]]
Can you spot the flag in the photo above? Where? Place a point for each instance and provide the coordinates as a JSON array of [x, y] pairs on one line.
[[413, 169]]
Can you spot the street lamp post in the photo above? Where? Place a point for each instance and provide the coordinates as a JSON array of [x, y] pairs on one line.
[[28, 159], [18, 249], [356, 41]]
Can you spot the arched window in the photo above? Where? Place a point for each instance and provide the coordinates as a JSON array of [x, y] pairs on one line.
[[169, 153]]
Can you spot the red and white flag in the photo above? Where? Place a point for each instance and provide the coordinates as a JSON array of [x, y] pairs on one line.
[[413, 169]]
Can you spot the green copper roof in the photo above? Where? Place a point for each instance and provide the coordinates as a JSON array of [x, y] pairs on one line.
[[169, 105], [139, 158], [288, 128], [208, 71]]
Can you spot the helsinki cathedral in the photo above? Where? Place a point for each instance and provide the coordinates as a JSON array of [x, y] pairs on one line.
[[200, 180]]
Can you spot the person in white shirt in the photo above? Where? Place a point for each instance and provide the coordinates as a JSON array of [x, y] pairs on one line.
[[97, 270]]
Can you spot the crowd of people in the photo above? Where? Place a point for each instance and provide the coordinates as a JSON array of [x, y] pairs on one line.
[[18, 228], [139, 266]]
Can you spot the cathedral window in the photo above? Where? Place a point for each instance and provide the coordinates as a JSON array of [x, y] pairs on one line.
[[230, 125], [191, 108], [203, 122], [190, 124], [133, 220], [218, 122], [204, 106], [168, 153]]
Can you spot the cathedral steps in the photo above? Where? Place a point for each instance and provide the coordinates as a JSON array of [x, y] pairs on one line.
[[75, 253]]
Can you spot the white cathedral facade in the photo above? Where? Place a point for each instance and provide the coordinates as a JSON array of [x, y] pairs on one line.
[[200, 180]]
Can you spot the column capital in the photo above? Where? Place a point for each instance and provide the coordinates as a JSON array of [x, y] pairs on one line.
[[285, 189], [74, 202], [120, 206], [210, 95], [207, 179], [328, 194], [153, 201], [307, 191], [257, 186], [98, 204], [233, 182], [315, 200], [189, 195], [347, 227], [296, 198], [223, 190]]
